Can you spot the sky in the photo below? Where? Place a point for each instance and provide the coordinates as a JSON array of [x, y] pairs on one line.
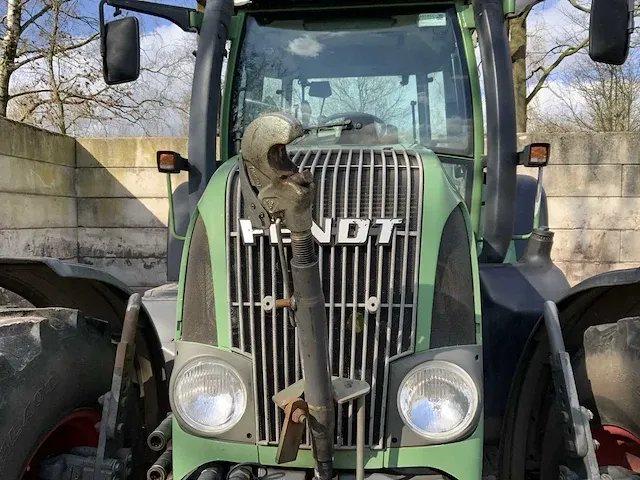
[[162, 39]]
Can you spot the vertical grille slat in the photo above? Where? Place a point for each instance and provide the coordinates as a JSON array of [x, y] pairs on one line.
[[351, 183], [376, 338], [343, 294]]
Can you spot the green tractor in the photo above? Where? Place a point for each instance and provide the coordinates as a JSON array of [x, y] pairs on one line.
[[362, 291]]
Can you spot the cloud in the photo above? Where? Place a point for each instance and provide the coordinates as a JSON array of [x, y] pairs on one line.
[[305, 46]]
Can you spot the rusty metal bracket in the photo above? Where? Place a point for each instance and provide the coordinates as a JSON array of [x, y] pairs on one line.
[[344, 390], [295, 416], [296, 412], [114, 402]]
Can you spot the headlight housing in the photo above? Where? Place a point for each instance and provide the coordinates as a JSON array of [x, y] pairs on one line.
[[209, 396], [439, 401]]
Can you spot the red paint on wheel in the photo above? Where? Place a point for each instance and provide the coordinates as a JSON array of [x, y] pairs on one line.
[[618, 447], [75, 430]]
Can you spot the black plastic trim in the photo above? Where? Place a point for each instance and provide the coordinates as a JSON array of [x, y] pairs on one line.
[[502, 157], [205, 96]]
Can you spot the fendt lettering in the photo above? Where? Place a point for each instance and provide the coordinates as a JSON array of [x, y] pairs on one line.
[[340, 231]]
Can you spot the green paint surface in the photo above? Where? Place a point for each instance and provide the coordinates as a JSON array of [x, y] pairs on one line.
[[181, 278], [440, 198], [190, 452], [235, 36], [462, 460], [212, 210]]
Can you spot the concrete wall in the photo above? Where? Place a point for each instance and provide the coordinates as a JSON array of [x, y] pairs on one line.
[[122, 206], [37, 193], [593, 189], [102, 202]]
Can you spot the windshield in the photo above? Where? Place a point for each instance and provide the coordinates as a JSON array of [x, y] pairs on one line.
[[364, 81]]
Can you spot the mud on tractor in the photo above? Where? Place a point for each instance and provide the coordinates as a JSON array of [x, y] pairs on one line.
[[363, 292]]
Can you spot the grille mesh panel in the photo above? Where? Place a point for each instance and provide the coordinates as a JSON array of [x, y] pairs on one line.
[[367, 184]]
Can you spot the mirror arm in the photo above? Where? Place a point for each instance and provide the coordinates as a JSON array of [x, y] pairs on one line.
[[181, 16]]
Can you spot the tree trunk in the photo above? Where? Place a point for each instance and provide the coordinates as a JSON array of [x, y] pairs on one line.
[[60, 120], [518, 47], [8, 50]]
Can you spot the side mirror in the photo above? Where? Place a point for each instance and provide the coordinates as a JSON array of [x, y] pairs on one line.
[[121, 50], [610, 30], [321, 89]]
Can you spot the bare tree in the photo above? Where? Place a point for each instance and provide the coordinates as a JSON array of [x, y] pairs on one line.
[[518, 49], [538, 51], [51, 76], [595, 97], [380, 96]]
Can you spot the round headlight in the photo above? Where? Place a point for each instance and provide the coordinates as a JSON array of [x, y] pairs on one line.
[[209, 396], [438, 400]]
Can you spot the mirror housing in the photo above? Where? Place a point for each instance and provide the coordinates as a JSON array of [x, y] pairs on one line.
[[121, 50], [610, 30], [171, 162], [320, 89], [535, 155]]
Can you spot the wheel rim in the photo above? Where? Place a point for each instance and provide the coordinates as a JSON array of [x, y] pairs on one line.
[[618, 447], [75, 430]]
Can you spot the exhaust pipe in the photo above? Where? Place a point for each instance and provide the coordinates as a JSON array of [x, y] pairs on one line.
[[502, 160], [271, 180]]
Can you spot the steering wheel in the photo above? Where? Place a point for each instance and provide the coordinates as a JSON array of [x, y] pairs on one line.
[[347, 115]]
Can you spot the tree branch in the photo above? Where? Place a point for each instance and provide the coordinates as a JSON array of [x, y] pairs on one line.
[[547, 71], [34, 18], [575, 4]]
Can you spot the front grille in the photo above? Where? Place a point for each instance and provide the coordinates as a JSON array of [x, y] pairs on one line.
[[368, 184]]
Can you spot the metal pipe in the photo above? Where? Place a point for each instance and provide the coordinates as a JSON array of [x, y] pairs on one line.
[[211, 473], [158, 439], [311, 319], [360, 439], [161, 469], [538, 201]]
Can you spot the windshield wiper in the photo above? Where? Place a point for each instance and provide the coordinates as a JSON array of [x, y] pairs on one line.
[[345, 124]]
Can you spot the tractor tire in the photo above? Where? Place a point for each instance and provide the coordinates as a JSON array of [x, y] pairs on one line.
[[53, 362], [605, 370]]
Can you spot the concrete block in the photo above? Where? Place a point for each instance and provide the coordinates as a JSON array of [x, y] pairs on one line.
[[122, 242], [140, 272], [631, 180], [36, 211], [582, 180], [125, 182], [583, 245], [596, 213], [125, 151], [630, 246], [582, 148], [24, 141], [20, 175], [43, 242], [123, 212], [576, 272]]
